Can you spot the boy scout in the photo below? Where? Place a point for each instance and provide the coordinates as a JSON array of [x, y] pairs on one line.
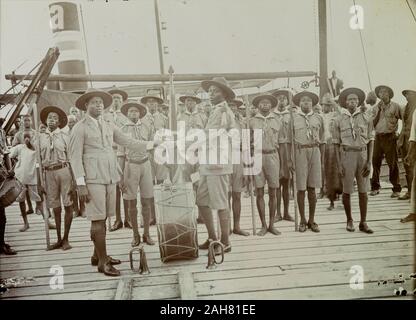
[[137, 171], [213, 185], [355, 130], [309, 139], [113, 114], [237, 180], [282, 113], [95, 169], [272, 138], [58, 179], [155, 120]]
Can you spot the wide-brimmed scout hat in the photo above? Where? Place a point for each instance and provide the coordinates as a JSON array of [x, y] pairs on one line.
[[344, 94], [195, 98], [146, 98], [122, 93], [327, 99], [91, 92], [405, 92], [237, 102], [279, 92], [378, 88], [298, 96], [269, 97], [63, 119], [133, 104], [221, 83]]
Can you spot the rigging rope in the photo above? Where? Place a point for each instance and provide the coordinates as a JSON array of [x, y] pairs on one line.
[[363, 48], [411, 10]]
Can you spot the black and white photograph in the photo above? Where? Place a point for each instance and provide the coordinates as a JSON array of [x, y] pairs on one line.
[[207, 150]]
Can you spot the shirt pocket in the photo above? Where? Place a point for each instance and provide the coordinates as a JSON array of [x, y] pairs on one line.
[[91, 167], [345, 132]]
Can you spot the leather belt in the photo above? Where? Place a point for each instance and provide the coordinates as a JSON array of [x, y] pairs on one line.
[[138, 161], [305, 146], [384, 134], [56, 167], [354, 149], [268, 151]]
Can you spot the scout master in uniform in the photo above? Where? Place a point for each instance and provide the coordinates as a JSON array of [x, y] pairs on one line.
[[213, 185], [113, 114], [355, 130], [309, 138], [403, 143], [156, 121], [282, 113], [386, 115], [192, 120], [273, 138], [137, 171], [58, 179], [95, 169], [237, 179]]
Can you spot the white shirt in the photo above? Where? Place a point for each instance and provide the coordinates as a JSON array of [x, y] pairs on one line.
[[25, 169], [413, 128]]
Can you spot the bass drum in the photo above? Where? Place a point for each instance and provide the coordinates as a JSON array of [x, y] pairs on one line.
[[10, 189], [176, 222]]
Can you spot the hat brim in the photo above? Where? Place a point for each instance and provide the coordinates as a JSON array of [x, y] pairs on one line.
[[196, 99], [378, 88], [298, 96], [123, 94], [227, 90], [281, 92], [405, 92], [269, 97], [63, 119], [238, 103], [342, 100], [125, 108], [107, 99], [146, 98]]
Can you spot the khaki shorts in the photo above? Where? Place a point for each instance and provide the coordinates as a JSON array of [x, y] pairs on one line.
[[58, 185], [33, 193], [270, 171], [102, 203], [353, 162], [236, 178], [135, 176], [213, 192], [308, 168]]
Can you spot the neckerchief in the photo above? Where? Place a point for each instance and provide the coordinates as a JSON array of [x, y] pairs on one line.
[[308, 125]]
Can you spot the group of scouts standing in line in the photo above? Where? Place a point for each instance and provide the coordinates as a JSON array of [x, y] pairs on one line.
[[107, 155]]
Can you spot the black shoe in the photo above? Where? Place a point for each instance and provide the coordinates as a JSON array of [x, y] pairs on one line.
[[350, 226], [314, 227], [364, 228], [374, 192], [109, 270], [30, 211], [205, 245], [5, 249], [116, 226], [94, 261], [302, 227]]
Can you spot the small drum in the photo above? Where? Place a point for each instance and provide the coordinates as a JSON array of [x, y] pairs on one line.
[[10, 189], [176, 221]]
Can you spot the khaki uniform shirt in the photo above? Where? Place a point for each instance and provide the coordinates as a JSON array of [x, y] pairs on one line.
[[355, 130], [91, 152], [272, 130], [389, 116], [284, 117], [53, 147], [192, 120], [309, 128], [138, 131]]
